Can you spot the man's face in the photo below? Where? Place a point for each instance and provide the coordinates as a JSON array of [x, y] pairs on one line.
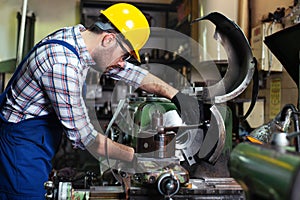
[[111, 54]]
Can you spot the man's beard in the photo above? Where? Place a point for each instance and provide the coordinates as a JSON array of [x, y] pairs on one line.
[[107, 70], [102, 65]]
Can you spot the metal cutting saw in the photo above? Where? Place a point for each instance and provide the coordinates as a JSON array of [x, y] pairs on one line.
[[163, 142]]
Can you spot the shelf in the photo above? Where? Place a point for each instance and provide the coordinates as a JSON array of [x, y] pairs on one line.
[[8, 66]]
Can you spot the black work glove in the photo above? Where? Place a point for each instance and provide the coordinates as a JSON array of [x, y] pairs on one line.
[[188, 108]]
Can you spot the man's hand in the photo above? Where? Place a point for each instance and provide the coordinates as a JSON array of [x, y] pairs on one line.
[[188, 107], [127, 167]]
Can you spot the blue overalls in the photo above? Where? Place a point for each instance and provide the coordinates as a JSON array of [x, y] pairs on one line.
[[27, 148]]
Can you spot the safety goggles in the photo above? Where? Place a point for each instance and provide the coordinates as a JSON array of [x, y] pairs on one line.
[[127, 55]]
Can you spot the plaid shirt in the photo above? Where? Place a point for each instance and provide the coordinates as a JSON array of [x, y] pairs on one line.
[[51, 81]]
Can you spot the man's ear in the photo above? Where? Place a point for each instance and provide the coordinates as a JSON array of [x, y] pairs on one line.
[[108, 39]]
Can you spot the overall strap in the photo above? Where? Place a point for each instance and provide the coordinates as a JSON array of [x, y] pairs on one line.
[[51, 41], [26, 146]]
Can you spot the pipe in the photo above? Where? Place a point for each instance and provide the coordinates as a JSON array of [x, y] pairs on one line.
[[243, 16], [22, 32]]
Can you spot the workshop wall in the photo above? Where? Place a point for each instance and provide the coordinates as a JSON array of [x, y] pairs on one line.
[[8, 28], [262, 8], [50, 15], [211, 48], [277, 88]]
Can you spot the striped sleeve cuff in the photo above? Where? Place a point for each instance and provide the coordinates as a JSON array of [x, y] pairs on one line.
[[132, 74]]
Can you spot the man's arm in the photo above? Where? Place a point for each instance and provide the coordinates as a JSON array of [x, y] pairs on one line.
[[187, 106], [155, 85], [103, 146], [143, 79]]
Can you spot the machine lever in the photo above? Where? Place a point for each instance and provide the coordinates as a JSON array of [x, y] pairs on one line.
[[292, 135], [176, 128]]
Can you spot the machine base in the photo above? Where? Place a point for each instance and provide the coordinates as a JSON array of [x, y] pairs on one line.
[[206, 188]]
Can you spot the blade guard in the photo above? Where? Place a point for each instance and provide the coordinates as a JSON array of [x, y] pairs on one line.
[[241, 63]]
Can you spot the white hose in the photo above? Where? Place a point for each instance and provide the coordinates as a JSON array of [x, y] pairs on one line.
[[22, 32]]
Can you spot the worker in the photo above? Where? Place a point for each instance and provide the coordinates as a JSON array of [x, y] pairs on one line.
[[45, 97]]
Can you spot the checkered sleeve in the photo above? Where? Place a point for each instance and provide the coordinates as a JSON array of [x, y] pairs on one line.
[[63, 87], [131, 74]]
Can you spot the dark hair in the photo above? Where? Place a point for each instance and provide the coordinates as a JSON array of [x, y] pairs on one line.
[[102, 21]]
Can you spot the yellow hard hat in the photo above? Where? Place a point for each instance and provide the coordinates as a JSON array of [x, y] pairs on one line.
[[131, 22]]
